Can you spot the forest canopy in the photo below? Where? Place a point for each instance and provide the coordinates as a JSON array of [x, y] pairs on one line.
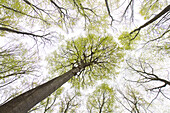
[[90, 56]]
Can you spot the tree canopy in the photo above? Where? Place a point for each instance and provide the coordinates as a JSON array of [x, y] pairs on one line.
[[84, 56], [101, 54]]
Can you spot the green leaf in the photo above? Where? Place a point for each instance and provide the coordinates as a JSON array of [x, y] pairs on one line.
[[102, 52]]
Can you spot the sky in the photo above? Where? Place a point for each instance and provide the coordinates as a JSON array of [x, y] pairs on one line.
[[44, 50]]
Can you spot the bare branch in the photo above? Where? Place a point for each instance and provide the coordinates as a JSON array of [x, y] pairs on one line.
[[59, 8], [164, 11], [108, 10], [147, 77], [23, 33], [130, 4], [167, 31]]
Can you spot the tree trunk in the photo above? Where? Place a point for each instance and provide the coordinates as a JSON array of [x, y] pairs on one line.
[[24, 102], [165, 10]]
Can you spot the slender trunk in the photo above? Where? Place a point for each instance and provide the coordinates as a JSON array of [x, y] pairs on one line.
[[103, 102], [165, 10], [24, 102]]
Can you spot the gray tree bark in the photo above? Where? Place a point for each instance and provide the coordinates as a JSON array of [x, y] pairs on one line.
[[24, 102]]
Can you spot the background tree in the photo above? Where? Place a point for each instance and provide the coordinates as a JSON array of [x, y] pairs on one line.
[[70, 102], [15, 62], [132, 100], [55, 21], [102, 100]]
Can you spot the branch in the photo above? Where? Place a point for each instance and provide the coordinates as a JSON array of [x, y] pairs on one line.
[[108, 10], [22, 32], [23, 13], [54, 100], [81, 10], [59, 8], [167, 31], [158, 87], [154, 98], [130, 3], [165, 10], [34, 6], [150, 77]]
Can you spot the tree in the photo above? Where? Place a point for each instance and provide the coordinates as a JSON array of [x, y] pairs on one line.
[[155, 39], [46, 106], [62, 100], [159, 15], [14, 12], [147, 76], [15, 61], [46, 20], [99, 53], [69, 102], [132, 100], [102, 100]]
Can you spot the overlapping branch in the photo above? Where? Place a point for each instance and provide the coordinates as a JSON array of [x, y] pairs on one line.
[[149, 76]]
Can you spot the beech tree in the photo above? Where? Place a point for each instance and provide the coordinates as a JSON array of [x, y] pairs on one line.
[[102, 100], [132, 100], [69, 103], [93, 53], [84, 59], [15, 61]]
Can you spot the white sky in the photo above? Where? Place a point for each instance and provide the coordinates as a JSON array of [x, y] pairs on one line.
[[43, 51]]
